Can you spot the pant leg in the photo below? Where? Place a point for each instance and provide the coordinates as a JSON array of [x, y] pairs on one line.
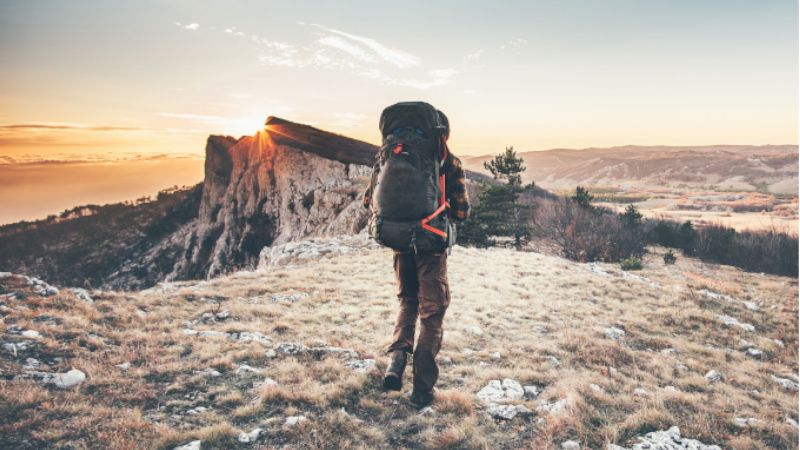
[[405, 268], [434, 298]]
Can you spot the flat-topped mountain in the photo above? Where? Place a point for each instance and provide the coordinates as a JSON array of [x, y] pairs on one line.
[[286, 182]]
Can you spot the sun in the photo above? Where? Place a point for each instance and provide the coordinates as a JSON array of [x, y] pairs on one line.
[[245, 125]]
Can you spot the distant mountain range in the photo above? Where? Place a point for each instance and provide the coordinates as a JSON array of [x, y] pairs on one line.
[[721, 167]]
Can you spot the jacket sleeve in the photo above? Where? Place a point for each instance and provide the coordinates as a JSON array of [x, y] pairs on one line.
[[368, 191], [456, 188]]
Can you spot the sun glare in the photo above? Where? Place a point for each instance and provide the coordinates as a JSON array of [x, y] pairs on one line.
[[248, 125]]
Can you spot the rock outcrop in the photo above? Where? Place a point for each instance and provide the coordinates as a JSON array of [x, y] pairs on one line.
[[287, 182]]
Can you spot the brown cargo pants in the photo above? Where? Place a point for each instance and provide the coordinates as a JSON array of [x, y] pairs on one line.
[[423, 292]]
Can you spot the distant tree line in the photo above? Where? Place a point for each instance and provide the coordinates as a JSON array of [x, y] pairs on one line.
[[510, 213]]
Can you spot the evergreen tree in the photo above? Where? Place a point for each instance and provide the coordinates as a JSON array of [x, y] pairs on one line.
[[631, 218], [582, 197], [499, 211]]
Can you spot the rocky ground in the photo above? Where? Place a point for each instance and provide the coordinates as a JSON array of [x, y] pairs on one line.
[[539, 352]]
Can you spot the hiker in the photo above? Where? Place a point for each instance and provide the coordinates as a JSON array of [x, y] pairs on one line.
[[416, 192]]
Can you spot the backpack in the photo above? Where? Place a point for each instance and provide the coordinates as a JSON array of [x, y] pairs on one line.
[[409, 206]]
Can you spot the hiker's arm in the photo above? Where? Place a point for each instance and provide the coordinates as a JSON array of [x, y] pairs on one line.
[[368, 191], [456, 188]]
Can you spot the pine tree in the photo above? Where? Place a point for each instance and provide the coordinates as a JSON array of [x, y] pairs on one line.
[[499, 211], [582, 197]]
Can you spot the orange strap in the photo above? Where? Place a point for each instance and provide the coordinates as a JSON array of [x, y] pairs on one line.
[[398, 149]]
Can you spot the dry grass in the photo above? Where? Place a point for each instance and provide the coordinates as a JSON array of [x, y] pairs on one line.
[[544, 315]]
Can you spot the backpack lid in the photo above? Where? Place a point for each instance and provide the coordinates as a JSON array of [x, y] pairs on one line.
[[415, 115]]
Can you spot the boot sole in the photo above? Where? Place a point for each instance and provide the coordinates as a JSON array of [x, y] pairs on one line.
[[392, 382]]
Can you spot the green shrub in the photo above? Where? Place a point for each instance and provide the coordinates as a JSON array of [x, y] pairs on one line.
[[669, 257], [632, 263]]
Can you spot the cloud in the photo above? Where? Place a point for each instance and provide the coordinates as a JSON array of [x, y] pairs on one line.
[[334, 49], [514, 44], [52, 126], [474, 55], [195, 117], [395, 57], [191, 27]]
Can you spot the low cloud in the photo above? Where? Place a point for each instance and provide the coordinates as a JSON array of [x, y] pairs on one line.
[[194, 26]]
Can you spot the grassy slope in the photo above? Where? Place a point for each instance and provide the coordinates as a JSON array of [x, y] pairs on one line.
[[530, 307]]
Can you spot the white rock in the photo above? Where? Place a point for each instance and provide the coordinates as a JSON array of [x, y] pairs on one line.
[[754, 352], [31, 364], [124, 366], [427, 412], [666, 440], [270, 353], [670, 388], [288, 348], [751, 306], [496, 355], [244, 368], [730, 321], [473, 329], [743, 422], [208, 372], [614, 333], [5, 275], [31, 334], [360, 365], [81, 294], [785, 383], [639, 392], [713, 376], [791, 422], [555, 362], [67, 380], [571, 445], [552, 408], [501, 391], [531, 391], [246, 336], [194, 445], [293, 421], [246, 438], [779, 343], [506, 412]]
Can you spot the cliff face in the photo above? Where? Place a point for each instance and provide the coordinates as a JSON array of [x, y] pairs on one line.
[[287, 182]]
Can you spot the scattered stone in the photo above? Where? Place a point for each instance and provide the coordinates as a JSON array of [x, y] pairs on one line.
[[531, 391], [288, 348], [743, 422], [5, 275], [446, 360], [713, 376], [271, 353], [595, 387], [791, 422], [473, 329], [205, 333], [468, 351], [666, 440], [266, 383], [555, 362], [360, 365], [15, 348], [31, 364], [197, 410], [288, 298], [779, 343], [60, 380], [140, 313], [124, 366], [496, 355], [208, 373], [223, 315], [244, 368], [31, 334], [754, 352], [501, 391], [427, 412], [670, 388], [785, 383], [552, 408], [639, 392], [293, 421], [669, 351], [322, 350], [751, 306], [246, 438], [246, 336], [194, 445], [730, 321], [81, 294], [614, 333], [571, 445], [506, 412]]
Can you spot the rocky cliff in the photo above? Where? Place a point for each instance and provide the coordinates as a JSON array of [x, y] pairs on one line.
[[286, 182]]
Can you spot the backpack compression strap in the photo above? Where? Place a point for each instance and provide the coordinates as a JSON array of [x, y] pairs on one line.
[[442, 199]]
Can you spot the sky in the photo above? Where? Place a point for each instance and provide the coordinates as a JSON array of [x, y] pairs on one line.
[[160, 76]]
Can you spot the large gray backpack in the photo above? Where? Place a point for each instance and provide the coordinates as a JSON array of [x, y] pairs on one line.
[[409, 205]]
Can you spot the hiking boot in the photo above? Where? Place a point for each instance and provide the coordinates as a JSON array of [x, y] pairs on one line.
[[421, 399], [393, 379]]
